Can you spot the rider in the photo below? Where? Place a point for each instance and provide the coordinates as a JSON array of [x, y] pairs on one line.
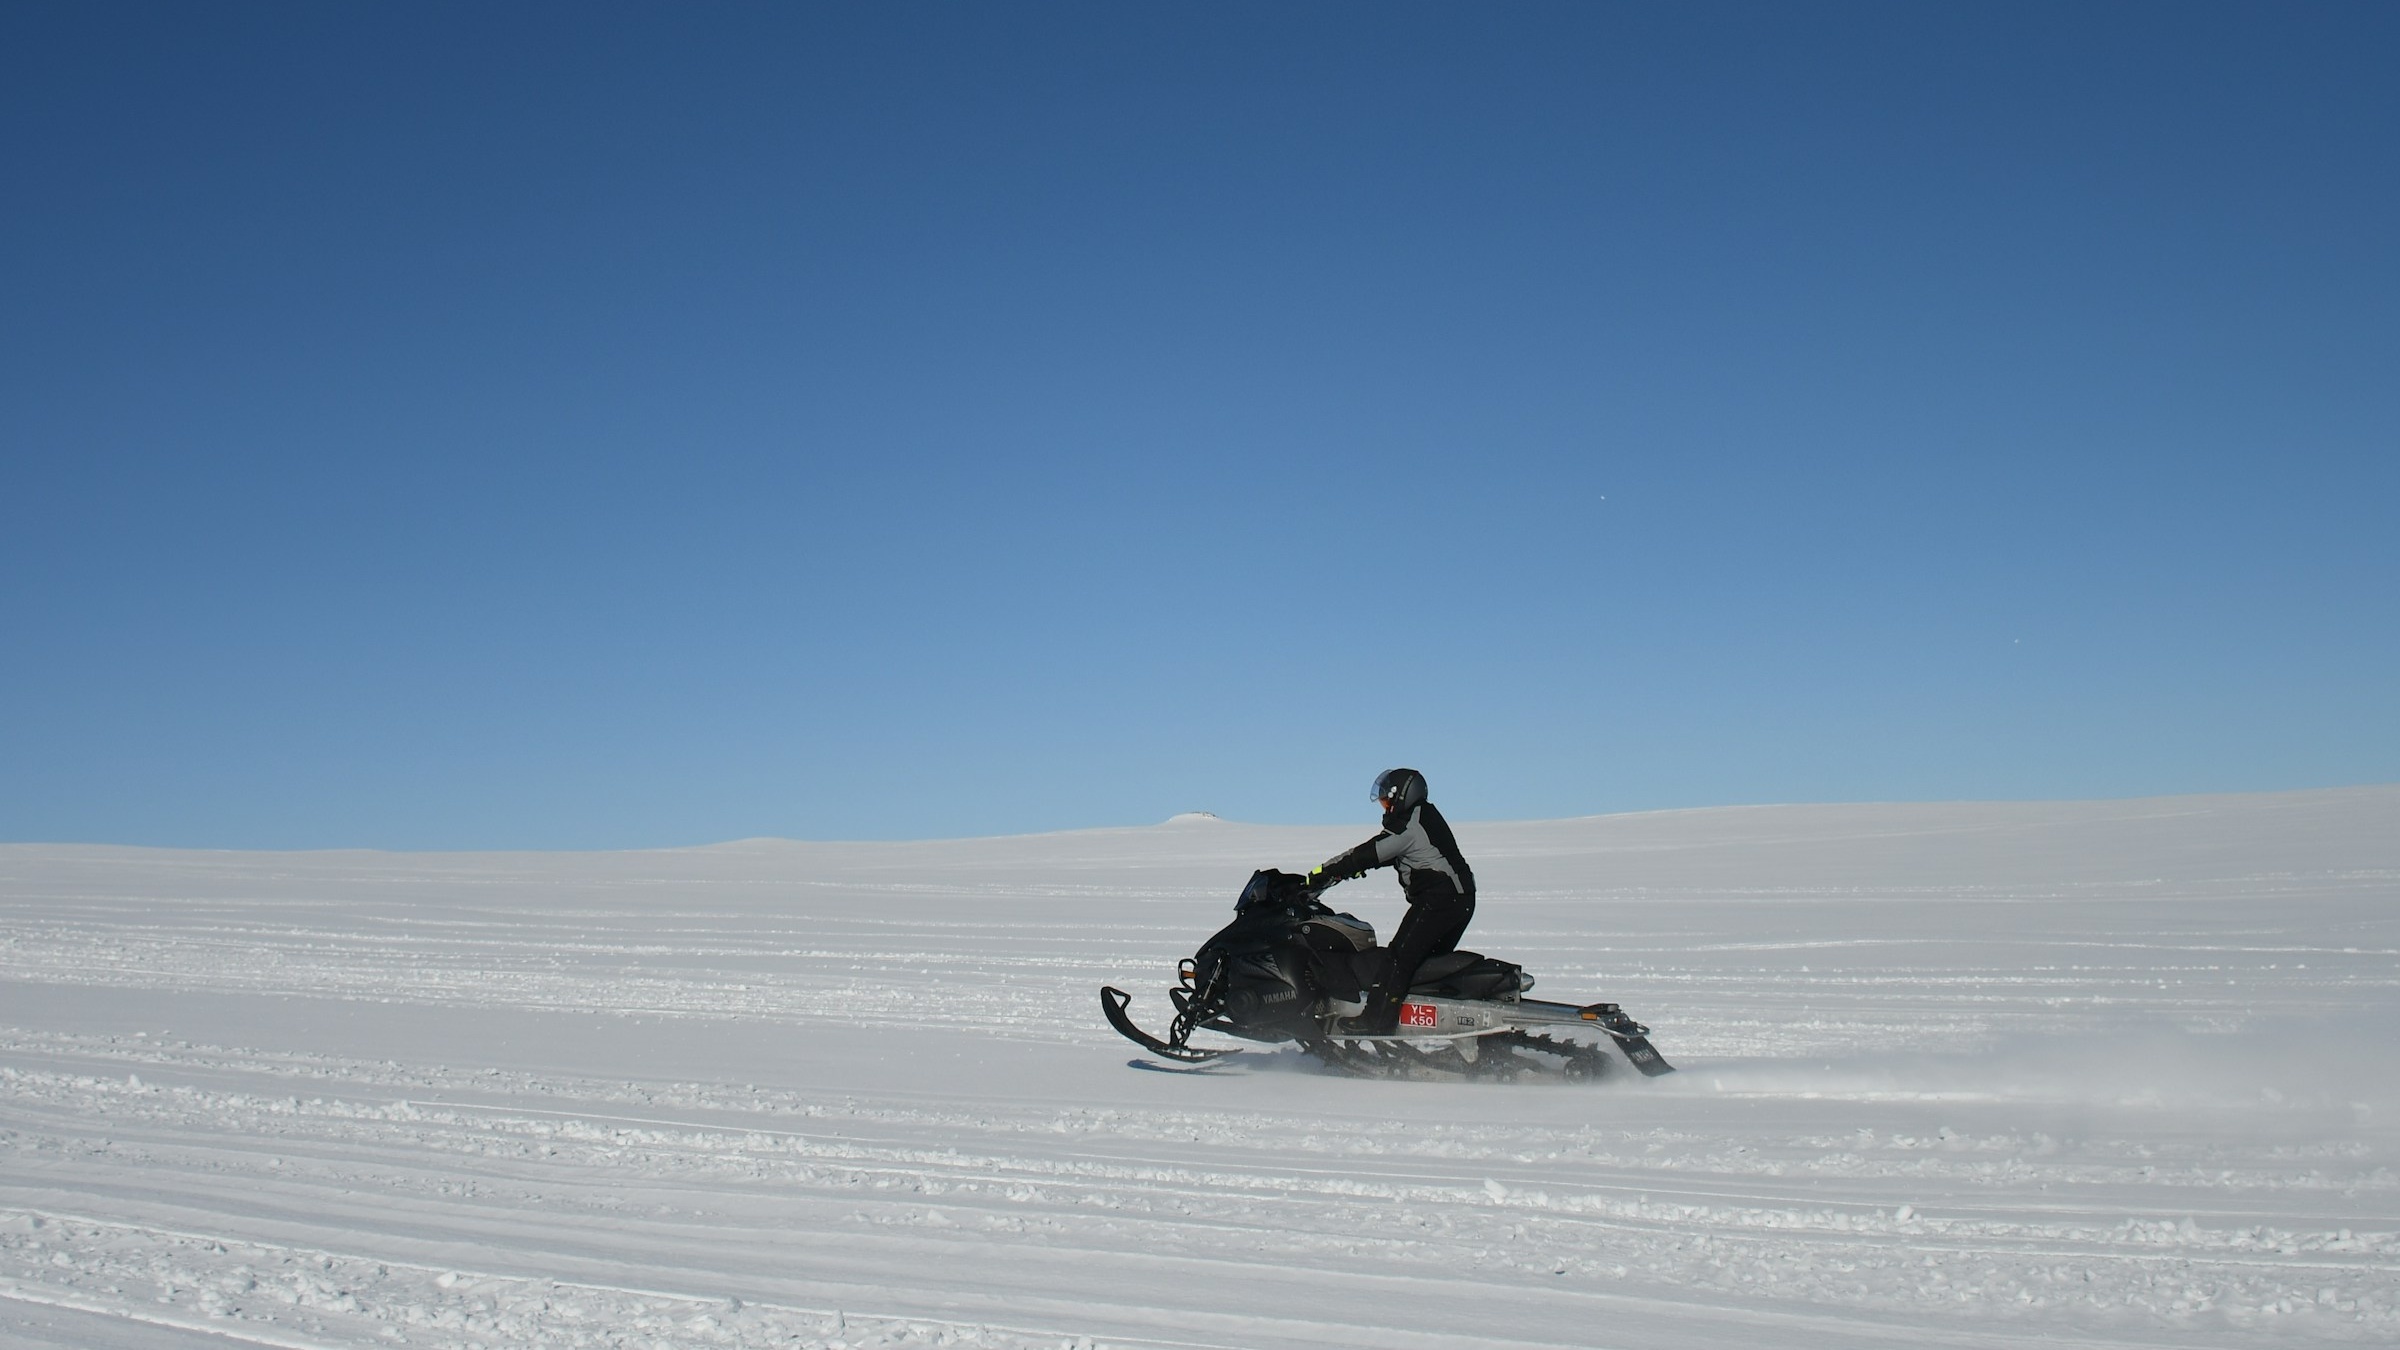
[[1433, 874]]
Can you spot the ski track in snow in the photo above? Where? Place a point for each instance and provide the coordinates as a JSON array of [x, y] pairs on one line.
[[2103, 1074]]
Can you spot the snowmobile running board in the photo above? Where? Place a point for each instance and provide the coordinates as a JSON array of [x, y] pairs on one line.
[[1112, 1003]]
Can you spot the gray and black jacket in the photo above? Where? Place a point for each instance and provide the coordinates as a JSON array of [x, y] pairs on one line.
[[1418, 842]]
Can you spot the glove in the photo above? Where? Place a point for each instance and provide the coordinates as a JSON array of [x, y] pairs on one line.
[[1316, 880]]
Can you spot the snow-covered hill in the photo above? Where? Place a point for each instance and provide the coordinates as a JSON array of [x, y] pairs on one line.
[[2092, 1074]]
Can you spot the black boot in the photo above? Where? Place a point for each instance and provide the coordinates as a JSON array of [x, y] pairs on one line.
[[1381, 1017]]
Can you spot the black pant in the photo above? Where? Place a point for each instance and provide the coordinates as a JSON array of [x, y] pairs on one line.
[[1431, 927], [1437, 918]]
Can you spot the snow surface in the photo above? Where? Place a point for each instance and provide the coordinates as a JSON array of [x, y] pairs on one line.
[[2081, 1074]]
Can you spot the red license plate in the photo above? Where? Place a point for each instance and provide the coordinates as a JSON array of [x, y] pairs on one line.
[[1419, 1014]]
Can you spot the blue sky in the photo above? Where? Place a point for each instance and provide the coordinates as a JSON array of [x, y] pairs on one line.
[[572, 426]]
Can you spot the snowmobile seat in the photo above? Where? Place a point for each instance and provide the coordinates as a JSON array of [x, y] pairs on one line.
[[1467, 975]]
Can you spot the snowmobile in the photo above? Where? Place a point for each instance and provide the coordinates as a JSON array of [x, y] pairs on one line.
[[1290, 968]]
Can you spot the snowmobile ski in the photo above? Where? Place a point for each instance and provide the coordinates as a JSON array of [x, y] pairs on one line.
[[1214, 1066], [1112, 1003]]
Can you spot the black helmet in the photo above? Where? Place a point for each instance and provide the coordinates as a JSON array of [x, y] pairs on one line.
[[1401, 789]]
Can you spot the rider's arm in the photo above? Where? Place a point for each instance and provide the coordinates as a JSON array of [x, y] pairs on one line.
[[1381, 851]]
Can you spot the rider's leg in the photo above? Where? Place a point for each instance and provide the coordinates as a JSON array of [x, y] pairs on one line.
[[1432, 926]]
